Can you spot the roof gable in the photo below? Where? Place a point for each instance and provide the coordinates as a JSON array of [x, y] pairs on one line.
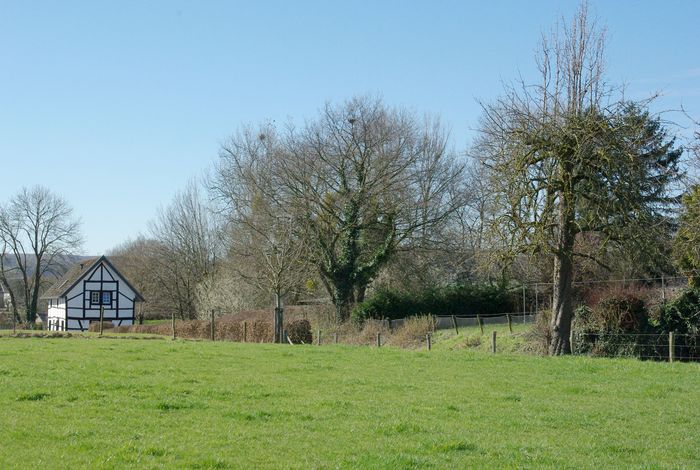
[[77, 272]]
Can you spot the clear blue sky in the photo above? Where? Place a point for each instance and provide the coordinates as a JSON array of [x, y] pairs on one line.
[[115, 105]]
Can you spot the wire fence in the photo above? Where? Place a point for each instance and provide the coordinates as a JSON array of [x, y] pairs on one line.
[[443, 322], [647, 346]]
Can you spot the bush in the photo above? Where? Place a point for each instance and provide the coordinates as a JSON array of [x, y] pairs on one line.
[[299, 331], [226, 328], [680, 315], [610, 327], [464, 299], [539, 336], [625, 313], [95, 326], [413, 332]]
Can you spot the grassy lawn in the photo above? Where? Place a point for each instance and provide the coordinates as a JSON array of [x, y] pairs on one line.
[[471, 338], [107, 403]]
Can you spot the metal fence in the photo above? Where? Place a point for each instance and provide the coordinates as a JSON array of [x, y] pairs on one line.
[[444, 322]]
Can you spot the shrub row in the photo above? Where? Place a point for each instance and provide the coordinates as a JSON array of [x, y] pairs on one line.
[[463, 299], [256, 331], [623, 324]]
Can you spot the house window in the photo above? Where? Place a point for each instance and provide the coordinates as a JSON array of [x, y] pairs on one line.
[[100, 297]]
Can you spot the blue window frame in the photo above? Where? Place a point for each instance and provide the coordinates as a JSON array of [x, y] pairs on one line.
[[100, 297]]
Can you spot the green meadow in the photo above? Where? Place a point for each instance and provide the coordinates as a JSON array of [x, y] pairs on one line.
[[130, 403]]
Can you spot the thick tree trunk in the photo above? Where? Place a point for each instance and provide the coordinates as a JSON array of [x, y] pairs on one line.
[[343, 297], [360, 294], [562, 307]]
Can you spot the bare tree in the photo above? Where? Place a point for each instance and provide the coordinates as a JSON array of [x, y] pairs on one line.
[[37, 231], [266, 249], [362, 180], [139, 260], [187, 248], [349, 189], [567, 160]]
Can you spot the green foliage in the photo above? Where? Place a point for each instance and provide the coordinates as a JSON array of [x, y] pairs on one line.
[[686, 244], [680, 315], [622, 325], [464, 299]]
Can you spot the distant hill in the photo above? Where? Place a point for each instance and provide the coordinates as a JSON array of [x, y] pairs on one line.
[[65, 262]]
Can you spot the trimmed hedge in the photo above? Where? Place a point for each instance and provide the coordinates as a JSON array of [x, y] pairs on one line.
[[464, 299], [258, 331]]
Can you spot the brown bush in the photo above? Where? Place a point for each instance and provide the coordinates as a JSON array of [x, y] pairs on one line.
[[413, 331], [261, 331], [226, 329], [95, 326], [299, 331], [350, 333], [626, 313], [539, 336]]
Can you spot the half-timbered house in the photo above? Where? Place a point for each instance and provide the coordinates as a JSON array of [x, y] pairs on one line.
[[93, 284]]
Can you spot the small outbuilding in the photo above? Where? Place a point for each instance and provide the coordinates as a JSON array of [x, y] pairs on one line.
[[76, 299]]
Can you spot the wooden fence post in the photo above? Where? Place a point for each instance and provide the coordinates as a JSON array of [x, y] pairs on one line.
[[454, 324], [671, 347], [510, 323], [245, 331], [427, 341], [481, 324], [102, 317], [379, 340], [173, 323], [571, 340], [493, 343], [524, 301], [212, 324], [318, 338], [663, 288], [335, 338]]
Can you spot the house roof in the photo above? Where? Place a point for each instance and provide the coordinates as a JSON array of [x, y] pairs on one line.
[[76, 272]]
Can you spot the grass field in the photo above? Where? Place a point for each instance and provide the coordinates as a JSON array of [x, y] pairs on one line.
[[109, 403]]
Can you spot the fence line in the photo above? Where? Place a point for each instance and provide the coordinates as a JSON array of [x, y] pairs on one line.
[[654, 346]]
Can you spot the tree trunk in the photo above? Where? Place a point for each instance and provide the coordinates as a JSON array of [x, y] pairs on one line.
[[360, 294], [562, 307], [343, 296]]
